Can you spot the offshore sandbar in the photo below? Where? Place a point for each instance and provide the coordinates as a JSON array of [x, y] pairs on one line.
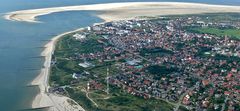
[[126, 10]]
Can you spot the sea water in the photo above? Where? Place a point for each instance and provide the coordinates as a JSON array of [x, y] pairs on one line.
[[21, 43]]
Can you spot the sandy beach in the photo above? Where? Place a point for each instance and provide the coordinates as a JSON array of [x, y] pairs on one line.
[[127, 10], [45, 99], [109, 12]]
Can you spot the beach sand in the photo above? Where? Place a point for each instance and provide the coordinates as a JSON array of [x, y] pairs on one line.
[[109, 12], [127, 10], [45, 99]]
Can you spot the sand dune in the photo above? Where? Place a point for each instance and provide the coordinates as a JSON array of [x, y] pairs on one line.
[[119, 11]]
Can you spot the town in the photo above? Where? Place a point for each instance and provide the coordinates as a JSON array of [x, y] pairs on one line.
[[190, 62]]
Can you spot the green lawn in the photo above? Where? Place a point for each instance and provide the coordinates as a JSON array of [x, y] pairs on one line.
[[234, 33]]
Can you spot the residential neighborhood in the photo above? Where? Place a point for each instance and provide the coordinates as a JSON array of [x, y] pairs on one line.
[[166, 58]]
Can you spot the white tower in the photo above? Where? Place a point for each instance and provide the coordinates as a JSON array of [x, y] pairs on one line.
[[107, 80], [88, 86]]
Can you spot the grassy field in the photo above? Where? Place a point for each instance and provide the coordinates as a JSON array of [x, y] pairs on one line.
[[117, 100], [233, 33]]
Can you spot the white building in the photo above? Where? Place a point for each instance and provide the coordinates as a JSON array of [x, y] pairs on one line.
[[79, 36]]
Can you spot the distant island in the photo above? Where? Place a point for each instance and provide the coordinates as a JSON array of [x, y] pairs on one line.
[[180, 63]]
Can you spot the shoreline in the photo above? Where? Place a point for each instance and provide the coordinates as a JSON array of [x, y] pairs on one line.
[[111, 12], [125, 10], [44, 98]]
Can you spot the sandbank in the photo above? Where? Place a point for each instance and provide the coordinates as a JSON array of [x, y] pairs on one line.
[[125, 10]]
